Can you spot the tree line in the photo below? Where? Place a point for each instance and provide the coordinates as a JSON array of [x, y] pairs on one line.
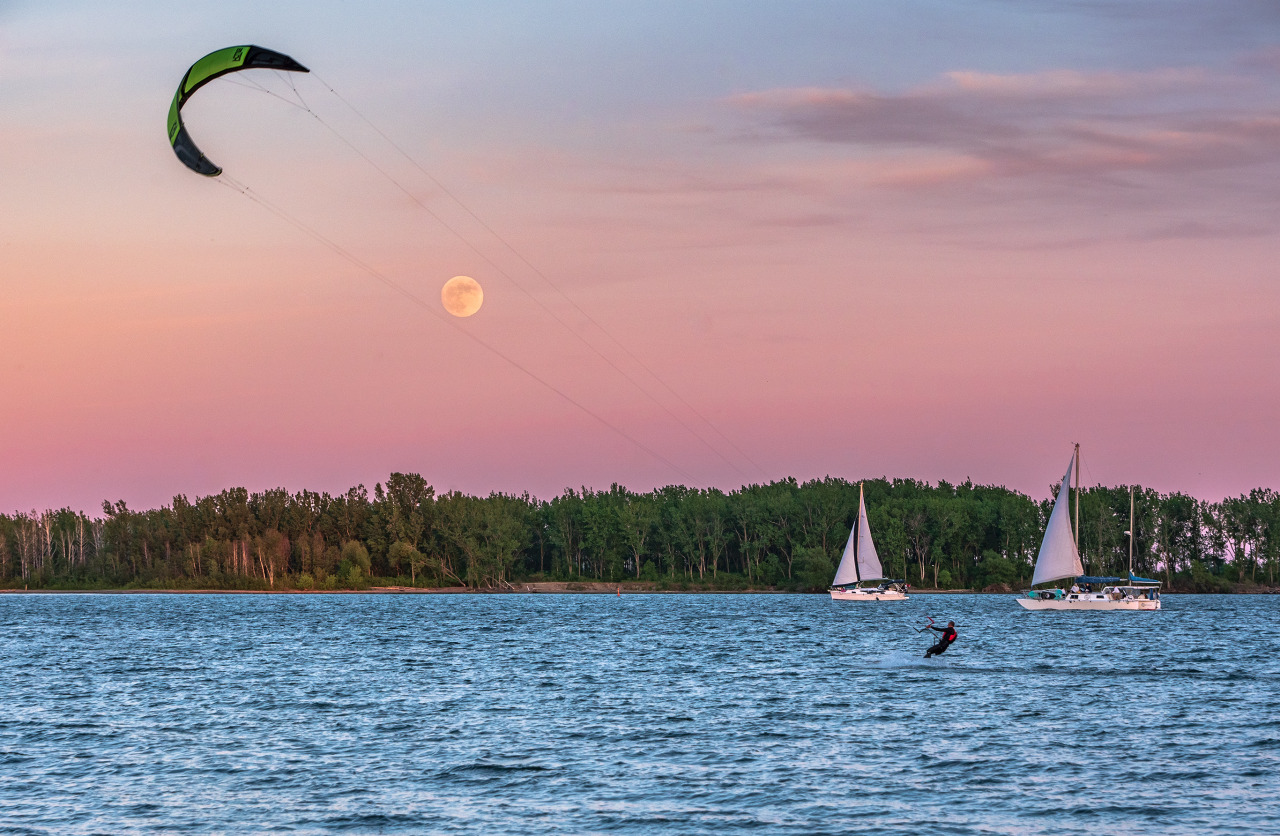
[[785, 535]]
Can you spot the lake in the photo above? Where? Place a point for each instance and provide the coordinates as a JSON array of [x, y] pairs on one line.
[[549, 714]]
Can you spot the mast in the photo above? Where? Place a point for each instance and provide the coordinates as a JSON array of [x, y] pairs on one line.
[[1077, 526], [857, 572], [1131, 533]]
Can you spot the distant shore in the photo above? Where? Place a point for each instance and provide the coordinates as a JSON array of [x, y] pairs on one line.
[[783, 535], [533, 588]]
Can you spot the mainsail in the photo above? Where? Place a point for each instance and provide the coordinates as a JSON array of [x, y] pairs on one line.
[[859, 561], [1058, 557], [868, 561]]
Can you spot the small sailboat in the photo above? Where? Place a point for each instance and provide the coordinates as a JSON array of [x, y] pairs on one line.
[[860, 566], [1059, 558]]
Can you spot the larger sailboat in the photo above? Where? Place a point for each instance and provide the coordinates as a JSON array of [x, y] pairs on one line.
[[860, 565], [1059, 558]]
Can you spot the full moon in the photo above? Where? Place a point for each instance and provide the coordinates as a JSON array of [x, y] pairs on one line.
[[462, 296]]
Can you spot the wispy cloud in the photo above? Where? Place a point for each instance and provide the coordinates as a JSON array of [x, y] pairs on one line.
[[1072, 84], [970, 125], [834, 115], [1191, 229]]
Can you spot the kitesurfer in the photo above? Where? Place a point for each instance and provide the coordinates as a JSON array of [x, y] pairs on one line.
[[948, 636]]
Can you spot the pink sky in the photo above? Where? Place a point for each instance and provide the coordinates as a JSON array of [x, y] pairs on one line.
[[944, 267]]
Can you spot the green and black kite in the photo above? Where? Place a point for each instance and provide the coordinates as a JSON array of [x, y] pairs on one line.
[[213, 65]]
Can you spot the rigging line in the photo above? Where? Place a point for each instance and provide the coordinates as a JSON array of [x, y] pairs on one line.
[[337, 249], [609, 361], [461, 238], [545, 278], [1085, 467]]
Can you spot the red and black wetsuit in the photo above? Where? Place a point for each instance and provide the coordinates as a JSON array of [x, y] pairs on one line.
[[948, 636]]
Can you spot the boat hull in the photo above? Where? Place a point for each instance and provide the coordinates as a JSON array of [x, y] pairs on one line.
[[1088, 604], [867, 595]]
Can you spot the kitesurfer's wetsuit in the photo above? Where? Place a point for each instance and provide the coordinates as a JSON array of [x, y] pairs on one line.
[[948, 636]]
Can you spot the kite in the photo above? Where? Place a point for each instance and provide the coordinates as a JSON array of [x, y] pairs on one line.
[[214, 65]]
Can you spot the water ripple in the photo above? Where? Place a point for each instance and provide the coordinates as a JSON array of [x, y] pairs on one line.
[[550, 714]]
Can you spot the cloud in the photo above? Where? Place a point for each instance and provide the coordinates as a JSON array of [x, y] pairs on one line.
[[969, 125], [1073, 84], [1191, 229], [1181, 22], [860, 117]]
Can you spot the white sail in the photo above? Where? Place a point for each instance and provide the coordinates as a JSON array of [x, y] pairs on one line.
[[847, 571], [1058, 557], [869, 568], [859, 561]]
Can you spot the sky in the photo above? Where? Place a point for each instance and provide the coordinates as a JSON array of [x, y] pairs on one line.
[[720, 243]]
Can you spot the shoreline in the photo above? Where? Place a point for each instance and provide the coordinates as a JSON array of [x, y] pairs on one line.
[[538, 588]]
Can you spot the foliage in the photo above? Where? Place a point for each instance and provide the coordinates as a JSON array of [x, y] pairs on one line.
[[781, 535]]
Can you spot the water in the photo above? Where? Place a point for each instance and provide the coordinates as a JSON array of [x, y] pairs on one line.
[[644, 714]]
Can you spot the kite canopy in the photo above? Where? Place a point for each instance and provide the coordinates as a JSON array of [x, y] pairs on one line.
[[213, 65]]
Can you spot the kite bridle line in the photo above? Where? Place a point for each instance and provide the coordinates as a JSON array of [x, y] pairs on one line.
[[338, 250]]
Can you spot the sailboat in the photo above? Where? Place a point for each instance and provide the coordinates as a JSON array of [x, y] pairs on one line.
[[1059, 558], [860, 565]]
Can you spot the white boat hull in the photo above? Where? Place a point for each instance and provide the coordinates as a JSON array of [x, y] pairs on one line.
[[867, 595], [1088, 604]]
